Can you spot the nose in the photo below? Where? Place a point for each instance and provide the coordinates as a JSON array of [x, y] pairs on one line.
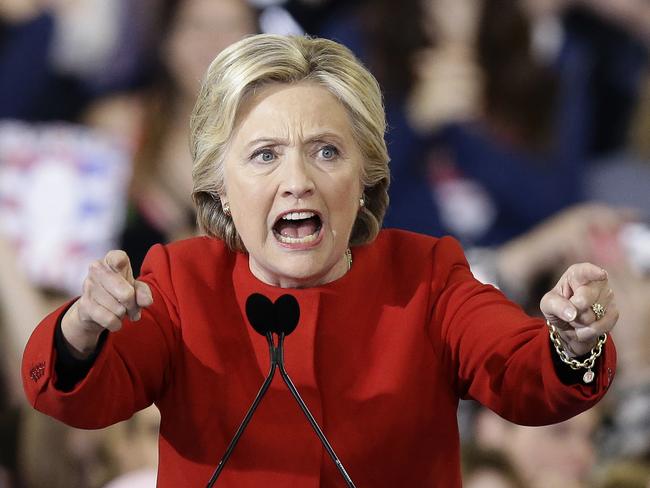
[[297, 179]]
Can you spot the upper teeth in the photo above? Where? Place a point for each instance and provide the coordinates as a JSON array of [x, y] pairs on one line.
[[298, 215]]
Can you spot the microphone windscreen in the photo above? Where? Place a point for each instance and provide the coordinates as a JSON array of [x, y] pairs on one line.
[[260, 313], [287, 313]]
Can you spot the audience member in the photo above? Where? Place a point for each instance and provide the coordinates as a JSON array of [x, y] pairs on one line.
[[556, 455], [57, 56], [488, 468], [149, 126], [160, 203]]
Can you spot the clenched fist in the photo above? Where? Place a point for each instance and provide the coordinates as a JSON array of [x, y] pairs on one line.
[[569, 306], [109, 294]]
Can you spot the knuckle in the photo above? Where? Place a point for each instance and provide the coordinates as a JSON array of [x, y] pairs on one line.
[[87, 286], [94, 268], [550, 298], [108, 319], [579, 301], [100, 316], [587, 318], [124, 293], [120, 310], [114, 323]]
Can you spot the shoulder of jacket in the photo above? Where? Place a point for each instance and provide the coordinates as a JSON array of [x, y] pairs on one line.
[[399, 239]]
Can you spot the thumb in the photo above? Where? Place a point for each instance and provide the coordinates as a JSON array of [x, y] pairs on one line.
[[556, 307], [118, 262], [143, 295]]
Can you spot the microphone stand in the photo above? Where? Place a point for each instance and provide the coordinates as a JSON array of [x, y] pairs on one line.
[[310, 417], [277, 360], [249, 414]]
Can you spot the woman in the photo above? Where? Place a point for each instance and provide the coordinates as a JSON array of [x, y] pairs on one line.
[[290, 180]]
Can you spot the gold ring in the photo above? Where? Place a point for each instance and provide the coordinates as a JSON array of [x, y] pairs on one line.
[[599, 310]]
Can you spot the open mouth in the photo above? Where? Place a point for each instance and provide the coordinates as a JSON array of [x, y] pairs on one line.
[[297, 227]]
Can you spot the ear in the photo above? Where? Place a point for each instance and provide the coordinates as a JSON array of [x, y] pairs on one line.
[[224, 200]]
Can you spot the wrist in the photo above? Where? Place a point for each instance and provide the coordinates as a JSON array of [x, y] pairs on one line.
[[79, 337], [573, 348], [583, 363]]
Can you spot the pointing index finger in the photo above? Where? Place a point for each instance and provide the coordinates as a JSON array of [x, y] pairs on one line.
[[585, 273], [118, 262]]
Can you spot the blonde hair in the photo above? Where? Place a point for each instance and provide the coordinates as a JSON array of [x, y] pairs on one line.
[[263, 59]]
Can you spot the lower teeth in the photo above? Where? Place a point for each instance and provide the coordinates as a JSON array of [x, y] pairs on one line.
[[297, 240]]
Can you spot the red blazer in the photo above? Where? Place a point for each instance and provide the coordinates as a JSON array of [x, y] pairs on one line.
[[381, 357]]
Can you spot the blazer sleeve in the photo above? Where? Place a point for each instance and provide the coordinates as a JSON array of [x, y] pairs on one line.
[[130, 372], [496, 354]]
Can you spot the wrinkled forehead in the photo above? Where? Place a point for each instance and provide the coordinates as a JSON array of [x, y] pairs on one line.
[[281, 108]]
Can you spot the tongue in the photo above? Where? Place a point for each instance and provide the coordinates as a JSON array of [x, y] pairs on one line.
[[296, 228]]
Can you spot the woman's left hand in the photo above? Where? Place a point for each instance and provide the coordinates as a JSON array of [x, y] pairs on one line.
[[581, 307]]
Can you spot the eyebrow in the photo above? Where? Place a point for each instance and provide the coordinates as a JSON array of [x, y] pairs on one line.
[[322, 136], [279, 141], [272, 140]]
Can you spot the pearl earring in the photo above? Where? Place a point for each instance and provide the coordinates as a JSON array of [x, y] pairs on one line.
[[362, 202], [226, 209]]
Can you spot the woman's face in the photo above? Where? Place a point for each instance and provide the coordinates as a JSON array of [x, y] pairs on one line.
[[292, 175]]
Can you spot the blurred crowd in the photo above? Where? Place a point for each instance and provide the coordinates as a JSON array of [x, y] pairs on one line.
[[521, 127]]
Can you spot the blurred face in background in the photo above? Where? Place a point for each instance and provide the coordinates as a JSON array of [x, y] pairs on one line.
[[487, 478], [556, 455], [555, 452], [451, 22], [200, 30]]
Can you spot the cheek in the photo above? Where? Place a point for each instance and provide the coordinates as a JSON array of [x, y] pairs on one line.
[[344, 205], [347, 188], [250, 205], [351, 195]]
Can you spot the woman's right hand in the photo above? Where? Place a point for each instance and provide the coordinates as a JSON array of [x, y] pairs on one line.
[[109, 294]]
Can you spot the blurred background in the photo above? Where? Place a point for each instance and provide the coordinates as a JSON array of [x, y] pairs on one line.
[[521, 127]]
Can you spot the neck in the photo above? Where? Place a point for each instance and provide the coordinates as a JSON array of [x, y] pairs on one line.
[[340, 268]]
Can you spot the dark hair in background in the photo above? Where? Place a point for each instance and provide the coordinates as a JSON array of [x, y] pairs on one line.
[[519, 91], [476, 460], [160, 91], [159, 98], [395, 33]]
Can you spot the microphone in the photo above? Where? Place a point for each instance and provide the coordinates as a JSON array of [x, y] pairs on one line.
[[280, 318]]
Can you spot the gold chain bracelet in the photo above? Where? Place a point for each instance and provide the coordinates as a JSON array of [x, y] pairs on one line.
[[574, 364]]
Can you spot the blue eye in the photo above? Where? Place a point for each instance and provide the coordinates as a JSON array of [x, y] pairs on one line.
[[263, 155], [329, 152]]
